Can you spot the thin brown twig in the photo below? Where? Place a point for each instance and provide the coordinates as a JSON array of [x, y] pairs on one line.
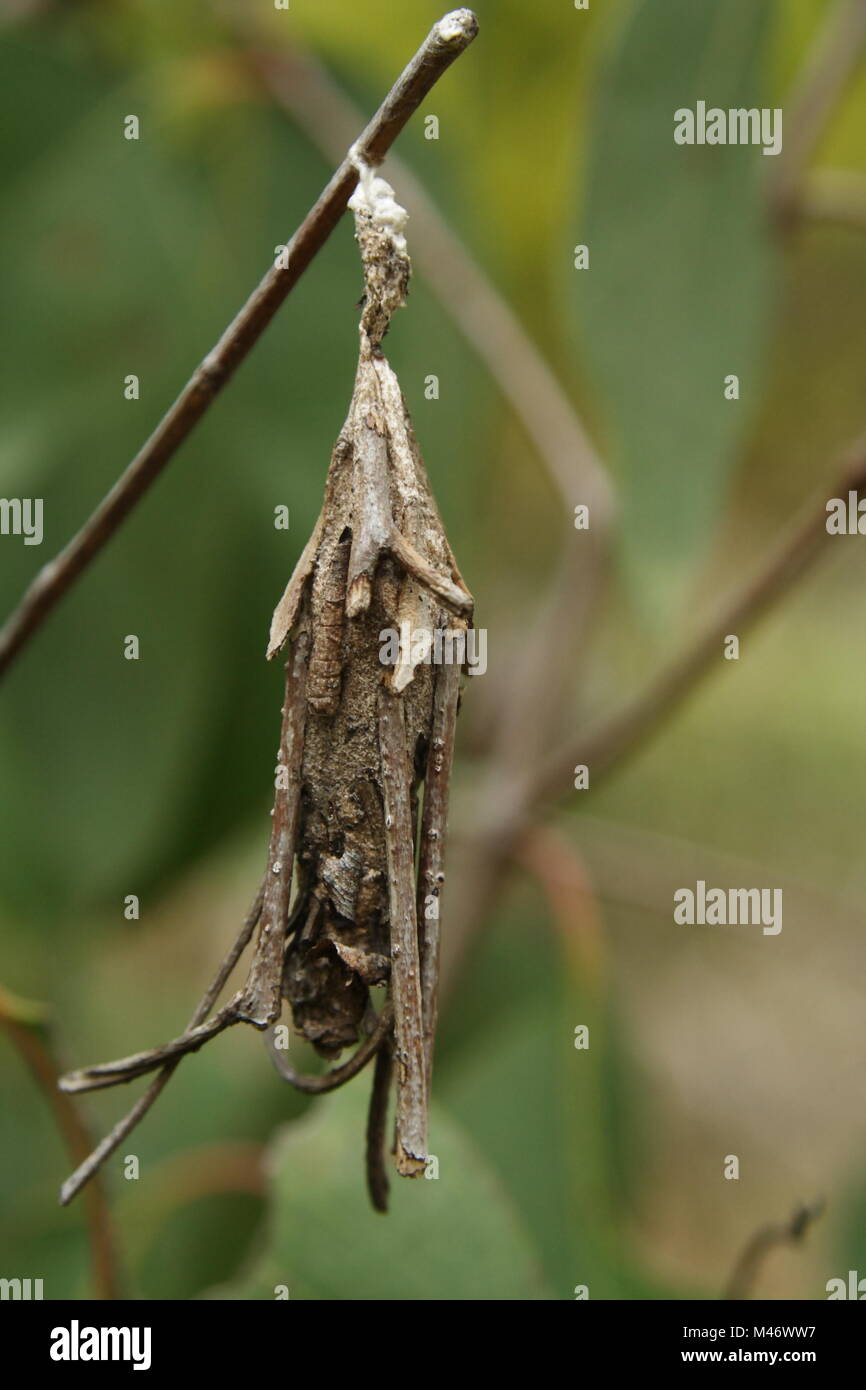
[[405, 962], [790, 1232], [431, 854], [126, 1069], [445, 42], [103, 1254]]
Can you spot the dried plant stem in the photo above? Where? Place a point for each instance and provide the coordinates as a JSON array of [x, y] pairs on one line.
[[405, 964], [127, 1069], [431, 860], [445, 42]]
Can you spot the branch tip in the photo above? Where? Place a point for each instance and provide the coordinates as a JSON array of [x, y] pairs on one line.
[[458, 28]]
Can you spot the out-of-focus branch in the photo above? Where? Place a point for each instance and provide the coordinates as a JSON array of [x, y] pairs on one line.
[[835, 195], [604, 746], [24, 1023], [520, 799], [748, 1266], [445, 42], [825, 76], [656, 861], [551, 858]]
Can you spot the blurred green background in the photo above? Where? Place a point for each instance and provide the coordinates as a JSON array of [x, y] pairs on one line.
[[558, 1167]]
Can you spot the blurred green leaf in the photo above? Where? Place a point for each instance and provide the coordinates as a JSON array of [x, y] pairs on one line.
[[560, 1125], [848, 1249], [680, 280], [457, 1237]]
